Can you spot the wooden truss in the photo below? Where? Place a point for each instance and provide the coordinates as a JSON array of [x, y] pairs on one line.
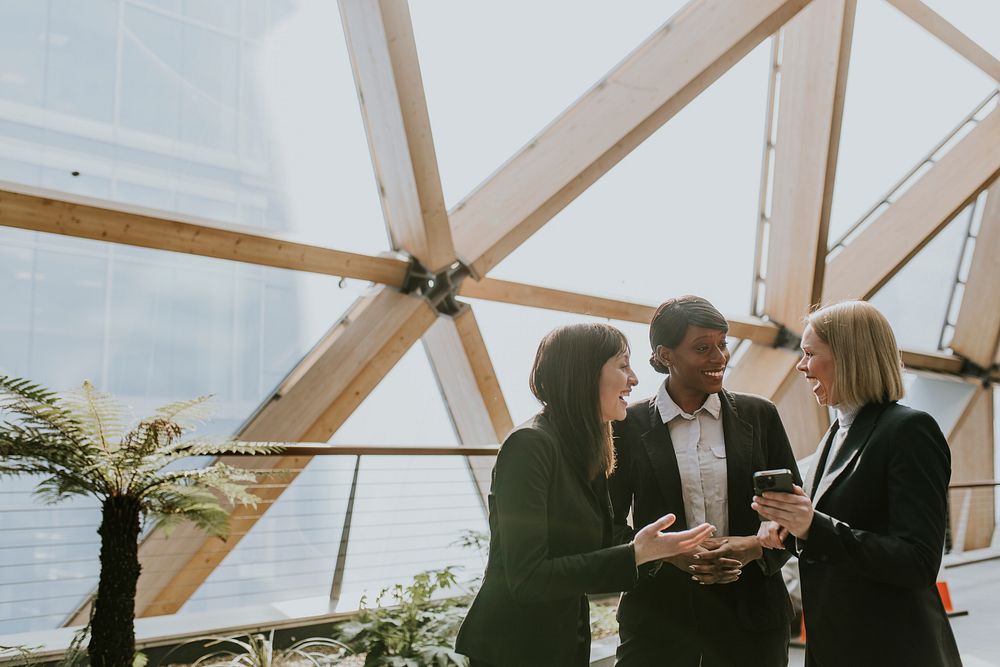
[[441, 255]]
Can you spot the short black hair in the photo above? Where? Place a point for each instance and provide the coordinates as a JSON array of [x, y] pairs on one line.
[[671, 321]]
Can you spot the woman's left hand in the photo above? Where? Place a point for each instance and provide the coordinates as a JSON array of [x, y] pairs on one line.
[[793, 511]]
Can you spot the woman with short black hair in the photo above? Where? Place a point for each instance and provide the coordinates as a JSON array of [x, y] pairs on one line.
[[692, 449], [552, 538]]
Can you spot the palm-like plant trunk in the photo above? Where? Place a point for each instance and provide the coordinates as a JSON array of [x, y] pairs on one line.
[[112, 631]]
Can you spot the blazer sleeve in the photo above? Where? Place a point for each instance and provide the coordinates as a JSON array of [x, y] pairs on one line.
[[779, 455], [524, 469], [909, 555]]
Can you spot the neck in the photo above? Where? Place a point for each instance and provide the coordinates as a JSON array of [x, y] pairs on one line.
[[687, 399]]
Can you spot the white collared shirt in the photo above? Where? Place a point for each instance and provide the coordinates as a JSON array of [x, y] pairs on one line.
[[700, 449]]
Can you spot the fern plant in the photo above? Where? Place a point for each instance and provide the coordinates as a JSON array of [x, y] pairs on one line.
[[86, 443], [415, 631]]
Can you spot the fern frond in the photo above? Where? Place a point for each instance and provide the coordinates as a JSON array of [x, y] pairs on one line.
[[177, 503], [19, 387], [38, 407], [231, 482], [59, 486], [208, 447], [187, 414], [151, 439], [103, 419], [30, 445]]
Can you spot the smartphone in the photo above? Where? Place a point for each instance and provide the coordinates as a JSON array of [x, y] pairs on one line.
[[773, 480]]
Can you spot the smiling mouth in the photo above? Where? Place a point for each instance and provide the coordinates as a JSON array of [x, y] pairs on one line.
[[715, 374]]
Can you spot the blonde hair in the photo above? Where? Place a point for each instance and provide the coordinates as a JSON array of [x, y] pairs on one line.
[[867, 366]]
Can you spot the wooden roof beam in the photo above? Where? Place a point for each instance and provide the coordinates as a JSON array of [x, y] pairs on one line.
[[816, 49], [59, 213], [881, 249], [522, 294], [936, 25], [693, 49], [470, 388], [384, 58], [977, 330]]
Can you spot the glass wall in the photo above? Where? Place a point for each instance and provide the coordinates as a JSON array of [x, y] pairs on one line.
[[245, 112]]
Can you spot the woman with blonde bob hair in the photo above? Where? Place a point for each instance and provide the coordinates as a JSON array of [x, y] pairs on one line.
[[869, 525]]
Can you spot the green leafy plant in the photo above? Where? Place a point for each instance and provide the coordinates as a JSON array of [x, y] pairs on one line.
[[256, 650], [87, 444], [415, 631]]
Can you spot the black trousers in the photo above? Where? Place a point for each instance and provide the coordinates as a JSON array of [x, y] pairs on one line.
[[757, 649]]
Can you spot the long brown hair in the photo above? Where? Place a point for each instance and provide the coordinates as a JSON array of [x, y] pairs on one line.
[[566, 379]]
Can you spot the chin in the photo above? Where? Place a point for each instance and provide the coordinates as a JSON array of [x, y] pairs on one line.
[[713, 387]]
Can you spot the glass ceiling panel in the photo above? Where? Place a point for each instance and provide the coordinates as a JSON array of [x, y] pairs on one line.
[[676, 216], [150, 327], [189, 107], [900, 103], [915, 300], [484, 108]]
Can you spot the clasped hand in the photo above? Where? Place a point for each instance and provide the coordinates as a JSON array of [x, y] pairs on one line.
[[718, 560]]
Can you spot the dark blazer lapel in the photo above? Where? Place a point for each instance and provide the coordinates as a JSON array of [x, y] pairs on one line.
[[810, 481], [738, 436], [857, 437], [660, 449]]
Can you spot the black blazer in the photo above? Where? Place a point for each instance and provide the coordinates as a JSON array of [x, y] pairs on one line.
[[875, 544], [667, 603], [551, 542]]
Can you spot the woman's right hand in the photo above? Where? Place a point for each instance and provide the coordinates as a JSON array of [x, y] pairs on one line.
[[771, 535], [652, 544]]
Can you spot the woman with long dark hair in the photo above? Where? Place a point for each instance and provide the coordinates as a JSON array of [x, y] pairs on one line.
[[869, 525], [552, 537], [691, 449]]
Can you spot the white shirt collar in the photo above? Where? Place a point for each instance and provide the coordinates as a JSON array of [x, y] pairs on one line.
[[669, 409]]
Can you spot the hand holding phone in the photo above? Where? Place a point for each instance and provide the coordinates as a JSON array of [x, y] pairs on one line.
[[773, 480]]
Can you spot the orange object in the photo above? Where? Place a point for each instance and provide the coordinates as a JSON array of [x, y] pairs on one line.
[[802, 633], [942, 587]]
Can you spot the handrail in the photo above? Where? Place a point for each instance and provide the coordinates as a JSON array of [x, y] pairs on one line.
[[317, 449], [974, 485]]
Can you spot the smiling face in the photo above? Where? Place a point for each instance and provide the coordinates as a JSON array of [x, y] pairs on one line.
[[818, 366], [697, 363], [617, 380]]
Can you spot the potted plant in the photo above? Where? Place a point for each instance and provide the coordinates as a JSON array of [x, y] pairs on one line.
[[87, 444]]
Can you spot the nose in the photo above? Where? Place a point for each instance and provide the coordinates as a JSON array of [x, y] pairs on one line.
[[632, 379], [721, 355], [801, 366]]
